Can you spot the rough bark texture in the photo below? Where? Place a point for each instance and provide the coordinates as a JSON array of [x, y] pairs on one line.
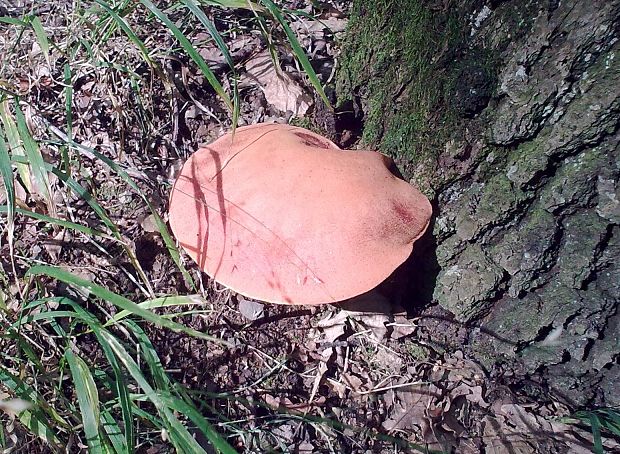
[[506, 112]]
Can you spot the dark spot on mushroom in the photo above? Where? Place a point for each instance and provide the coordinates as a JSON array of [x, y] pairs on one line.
[[403, 212], [402, 222], [312, 141]]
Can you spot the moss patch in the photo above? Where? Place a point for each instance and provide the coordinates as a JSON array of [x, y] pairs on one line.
[[407, 63]]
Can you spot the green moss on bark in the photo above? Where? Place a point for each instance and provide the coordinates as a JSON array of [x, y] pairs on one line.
[[406, 62]]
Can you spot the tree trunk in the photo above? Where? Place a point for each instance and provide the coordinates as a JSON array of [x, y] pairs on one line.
[[506, 114]]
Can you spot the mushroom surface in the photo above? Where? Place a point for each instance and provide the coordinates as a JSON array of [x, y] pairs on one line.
[[281, 214]]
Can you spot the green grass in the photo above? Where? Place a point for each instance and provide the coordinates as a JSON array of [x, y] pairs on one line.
[[599, 421], [85, 362]]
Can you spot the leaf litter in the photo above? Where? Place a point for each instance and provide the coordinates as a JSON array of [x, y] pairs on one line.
[[281, 90]]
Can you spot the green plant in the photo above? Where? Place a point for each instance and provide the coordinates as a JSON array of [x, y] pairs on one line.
[[599, 421], [77, 350]]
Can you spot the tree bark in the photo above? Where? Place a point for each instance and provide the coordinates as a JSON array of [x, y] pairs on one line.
[[506, 113]]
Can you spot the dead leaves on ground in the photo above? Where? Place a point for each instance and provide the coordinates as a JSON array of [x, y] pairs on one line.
[[284, 91], [281, 90], [445, 403]]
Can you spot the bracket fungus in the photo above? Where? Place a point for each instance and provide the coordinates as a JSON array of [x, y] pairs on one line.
[[280, 214]]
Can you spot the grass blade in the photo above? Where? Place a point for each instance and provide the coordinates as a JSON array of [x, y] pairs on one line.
[[35, 159], [595, 425], [33, 419], [169, 242], [161, 225], [122, 445], [78, 189], [179, 435], [59, 222], [191, 51], [124, 26], [177, 404], [161, 379], [297, 50], [234, 4], [69, 115], [119, 301], [202, 17], [201, 423], [90, 200], [13, 21], [165, 301], [114, 432], [6, 171], [610, 419], [12, 136], [88, 400], [41, 38]]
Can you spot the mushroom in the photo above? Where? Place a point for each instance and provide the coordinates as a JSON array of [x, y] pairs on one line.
[[280, 214]]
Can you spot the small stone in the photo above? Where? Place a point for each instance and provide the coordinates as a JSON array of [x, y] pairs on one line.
[[250, 309]]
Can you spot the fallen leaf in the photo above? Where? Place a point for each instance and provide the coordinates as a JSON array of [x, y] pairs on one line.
[[317, 380], [149, 225], [284, 403], [14, 406], [401, 327], [514, 429], [54, 245], [332, 326], [339, 388], [411, 407], [317, 29], [305, 447], [281, 90], [352, 381], [212, 55]]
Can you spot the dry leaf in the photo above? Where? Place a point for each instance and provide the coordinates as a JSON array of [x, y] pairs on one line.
[[54, 246], [515, 430], [148, 224], [316, 29], [284, 403], [14, 406], [352, 381], [317, 380], [280, 89], [472, 393], [339, 388], [402, 327], [212, 55], [372, 310], [411, 409], [332, 326]]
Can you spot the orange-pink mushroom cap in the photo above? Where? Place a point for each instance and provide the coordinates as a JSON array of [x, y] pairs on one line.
[[281, 214]]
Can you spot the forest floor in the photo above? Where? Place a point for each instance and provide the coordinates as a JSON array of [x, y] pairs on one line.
[[361, 376]]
